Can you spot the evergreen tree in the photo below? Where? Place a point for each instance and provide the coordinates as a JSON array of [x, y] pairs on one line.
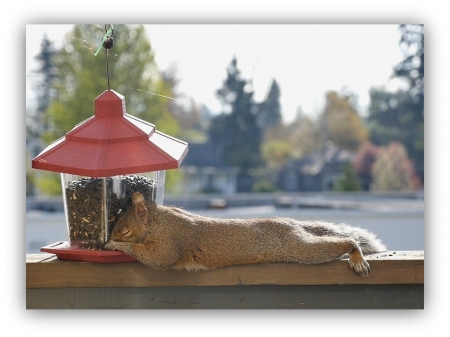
[[399, 116], [37, 123], [269, 114], [411, 68], [349, 181], [235, 132]]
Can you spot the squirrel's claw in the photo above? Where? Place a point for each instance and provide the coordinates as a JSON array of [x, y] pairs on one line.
[[109, 245], [360, 266]]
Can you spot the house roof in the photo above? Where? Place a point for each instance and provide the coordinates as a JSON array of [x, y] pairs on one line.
[[328, 157], [204, 155]]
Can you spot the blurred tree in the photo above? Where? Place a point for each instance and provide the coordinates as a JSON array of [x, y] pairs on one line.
[[276, 152], [341, 124], [269, 114], [393, 170], [363, 163], [36, 119], [264, 186], [29, 177], [411, 68], [399, 116], [349, 182], [303, 133], [235, 132], [80, 77], [48, 183], [186, 112]]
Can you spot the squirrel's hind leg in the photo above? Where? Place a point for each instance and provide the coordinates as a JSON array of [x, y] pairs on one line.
[[325, 249]]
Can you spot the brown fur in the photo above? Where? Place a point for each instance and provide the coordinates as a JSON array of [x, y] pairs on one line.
[[165, 237]]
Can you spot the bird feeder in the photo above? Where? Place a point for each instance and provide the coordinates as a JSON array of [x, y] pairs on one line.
[[103, 161]]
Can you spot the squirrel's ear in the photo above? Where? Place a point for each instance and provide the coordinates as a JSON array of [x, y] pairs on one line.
[[141, 210], [139, 201], [137, 198]]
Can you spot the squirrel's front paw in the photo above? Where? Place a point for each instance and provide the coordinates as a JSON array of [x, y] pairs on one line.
[[109, 245], [359, 264]]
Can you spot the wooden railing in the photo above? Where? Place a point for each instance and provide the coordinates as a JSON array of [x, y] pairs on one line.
[[396, 281]]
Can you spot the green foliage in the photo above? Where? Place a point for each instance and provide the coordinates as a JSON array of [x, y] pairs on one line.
[[349, 180], [29, 178], [264, 186], [81, 77], [393, 170], [174, 179], [276, 152], [49, 183]]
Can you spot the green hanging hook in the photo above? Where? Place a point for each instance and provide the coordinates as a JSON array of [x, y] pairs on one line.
[[107, 35]]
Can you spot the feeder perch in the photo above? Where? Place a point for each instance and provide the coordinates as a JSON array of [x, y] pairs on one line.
[[103, 161]]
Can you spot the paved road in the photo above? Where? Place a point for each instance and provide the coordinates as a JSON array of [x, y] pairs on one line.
[[400, 228]]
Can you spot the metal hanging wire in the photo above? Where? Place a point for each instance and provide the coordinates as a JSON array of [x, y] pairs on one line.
[[107, 43]]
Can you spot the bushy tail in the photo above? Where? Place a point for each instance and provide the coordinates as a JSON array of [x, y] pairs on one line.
[[366, 239]]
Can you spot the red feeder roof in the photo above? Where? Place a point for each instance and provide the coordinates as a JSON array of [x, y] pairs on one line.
[[111, 143]]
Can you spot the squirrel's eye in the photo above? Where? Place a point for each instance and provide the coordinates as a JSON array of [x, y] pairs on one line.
[[125, 231]]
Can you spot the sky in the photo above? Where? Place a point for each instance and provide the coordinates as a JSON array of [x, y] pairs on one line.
[[306, 60]]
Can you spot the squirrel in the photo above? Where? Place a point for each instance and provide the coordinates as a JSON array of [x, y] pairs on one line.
[[166, 237]]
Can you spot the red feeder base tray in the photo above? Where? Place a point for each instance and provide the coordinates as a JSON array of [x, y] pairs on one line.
[[64, 251]]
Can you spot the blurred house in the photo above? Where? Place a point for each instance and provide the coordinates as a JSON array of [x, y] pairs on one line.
[[205, 171], [317, 172]]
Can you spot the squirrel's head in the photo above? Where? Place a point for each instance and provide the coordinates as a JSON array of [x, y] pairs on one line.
[[132, 224]]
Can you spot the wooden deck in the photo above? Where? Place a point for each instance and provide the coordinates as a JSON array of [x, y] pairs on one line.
[[396, 281]]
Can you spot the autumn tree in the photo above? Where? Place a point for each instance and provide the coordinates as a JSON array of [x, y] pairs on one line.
[[341, 123], [304, 135], [393, 170], [363, 162]]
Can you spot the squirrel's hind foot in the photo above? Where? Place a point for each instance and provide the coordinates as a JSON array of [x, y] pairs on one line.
[[359, 264]]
